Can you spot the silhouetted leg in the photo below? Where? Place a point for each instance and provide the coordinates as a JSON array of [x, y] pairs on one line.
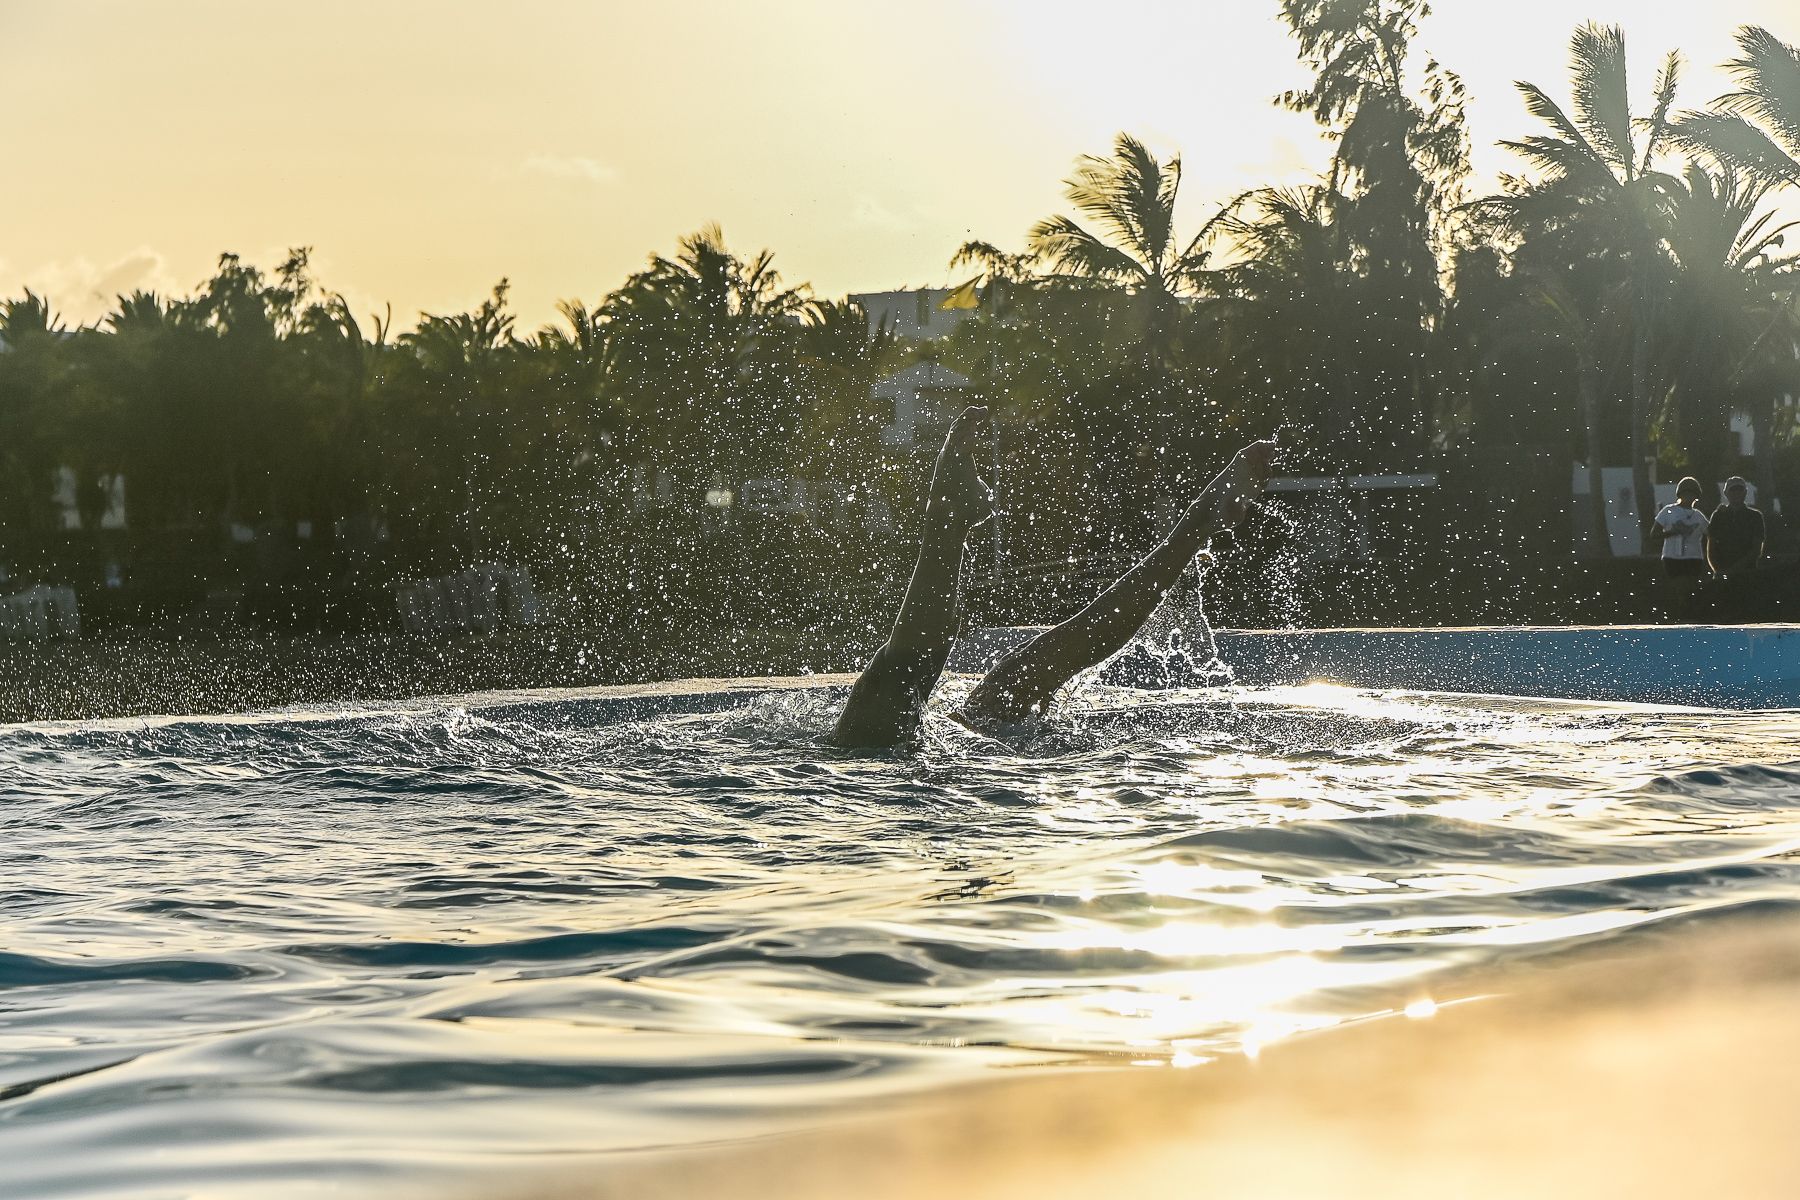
[[888, 698], [1025, 680]]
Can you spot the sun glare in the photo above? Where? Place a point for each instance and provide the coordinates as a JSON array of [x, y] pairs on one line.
[[1422, 1009]]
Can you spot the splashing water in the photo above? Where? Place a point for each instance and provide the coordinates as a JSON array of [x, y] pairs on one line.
[[362, 950], [1174, 649]]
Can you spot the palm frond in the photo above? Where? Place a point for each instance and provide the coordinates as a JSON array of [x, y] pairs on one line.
[[993, 260], [1760, 239], [1768, 75], [1656, 125], [1539, 104], [1167, 190], [1562, 161], [1601, 92], [1730, 139], [1074, 251], [27, 316], [1760, 234], [140, 310], [1191, 266], [1123, 196]]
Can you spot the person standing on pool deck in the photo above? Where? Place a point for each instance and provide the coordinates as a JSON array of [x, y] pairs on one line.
[[1681, 529], [1734, 540], [887, 702]]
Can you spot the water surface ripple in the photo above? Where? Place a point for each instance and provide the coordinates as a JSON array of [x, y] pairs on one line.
[[346, 953]]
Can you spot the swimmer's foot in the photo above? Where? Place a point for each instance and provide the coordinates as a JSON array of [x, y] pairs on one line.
[[960, 499], [1225, 501]]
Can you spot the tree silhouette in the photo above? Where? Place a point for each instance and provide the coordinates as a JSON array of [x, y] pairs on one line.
[[1731, 310], [1130, 200], [1395, 175], [1755, 129], [1598, 186], [34, 387], [692, 352]]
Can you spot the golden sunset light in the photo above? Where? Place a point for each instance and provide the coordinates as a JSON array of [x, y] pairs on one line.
[[766, 599], [425, 150]]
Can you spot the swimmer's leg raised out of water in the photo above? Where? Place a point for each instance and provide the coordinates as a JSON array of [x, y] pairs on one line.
[[1024, 681], [887, 700]]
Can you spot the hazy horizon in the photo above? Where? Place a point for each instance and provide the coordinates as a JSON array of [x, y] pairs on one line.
[[425, 151]]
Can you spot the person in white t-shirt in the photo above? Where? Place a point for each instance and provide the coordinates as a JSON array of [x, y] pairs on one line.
[[1680, 528]]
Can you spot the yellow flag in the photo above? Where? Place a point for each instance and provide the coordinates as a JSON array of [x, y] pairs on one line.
[[966, 296]]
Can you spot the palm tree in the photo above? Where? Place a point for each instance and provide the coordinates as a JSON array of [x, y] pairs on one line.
[[1108, 287], [1290, 306], [1565, 261], [460, 360], [1756, 128], [1008, 275], [586, 439], [131, 370], [838, 361], [245, 412], [1599, 176], [1732, 303], [1402, 153], [1129, 199], [32, 378], [580, 337], [693, 352], [346, 363], [576, 351]]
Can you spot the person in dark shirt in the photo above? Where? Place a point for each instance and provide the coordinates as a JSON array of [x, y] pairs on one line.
[[1734, 542]]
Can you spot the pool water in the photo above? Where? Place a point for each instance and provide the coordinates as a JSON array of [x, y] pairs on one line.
[[360, 952]]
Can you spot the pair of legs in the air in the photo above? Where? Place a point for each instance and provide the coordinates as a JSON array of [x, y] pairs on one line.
[[887, 701]]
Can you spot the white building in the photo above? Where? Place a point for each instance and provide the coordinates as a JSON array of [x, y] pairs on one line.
[[925, 398], [912, 312]]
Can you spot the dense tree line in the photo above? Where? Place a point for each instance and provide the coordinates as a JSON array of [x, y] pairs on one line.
[[1619, 299], [259, 399]]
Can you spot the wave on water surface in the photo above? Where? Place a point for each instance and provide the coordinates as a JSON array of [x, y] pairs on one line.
[[237, 948]]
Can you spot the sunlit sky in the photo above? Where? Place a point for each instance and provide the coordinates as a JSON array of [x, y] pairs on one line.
[[426, 148]]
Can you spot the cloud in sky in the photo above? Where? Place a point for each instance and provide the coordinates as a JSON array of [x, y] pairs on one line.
[[871, 213], [82, 291], [576, 167]]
